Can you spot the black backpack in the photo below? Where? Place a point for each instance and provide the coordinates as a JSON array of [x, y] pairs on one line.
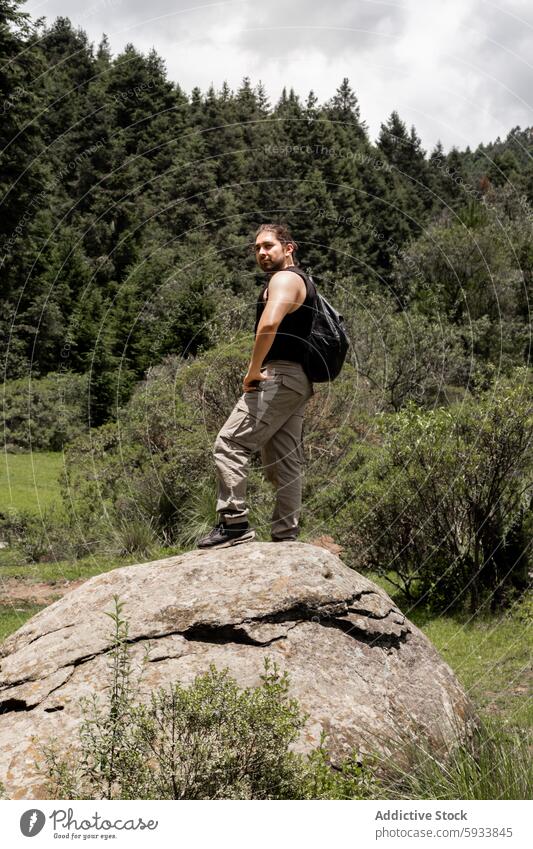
[[327, 344]]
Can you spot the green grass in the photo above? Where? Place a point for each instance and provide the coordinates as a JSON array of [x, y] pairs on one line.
[[492, 659], [30, 481], [495, 763], [13, 566], [13, 617]]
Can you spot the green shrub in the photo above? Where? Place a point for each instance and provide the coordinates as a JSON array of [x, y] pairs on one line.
[[442, 507], [141, 468], [43, 414], [404, 354], [135, 536], [47, 537]]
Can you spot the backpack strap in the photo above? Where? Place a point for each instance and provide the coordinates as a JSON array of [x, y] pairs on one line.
[[306, 278]]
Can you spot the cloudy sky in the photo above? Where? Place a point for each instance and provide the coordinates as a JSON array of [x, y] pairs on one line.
[[459, 70]]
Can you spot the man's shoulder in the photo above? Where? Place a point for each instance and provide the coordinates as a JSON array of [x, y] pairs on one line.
[[287, 276]]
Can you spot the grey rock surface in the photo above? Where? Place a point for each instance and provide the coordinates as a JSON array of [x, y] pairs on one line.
[[359, 668]]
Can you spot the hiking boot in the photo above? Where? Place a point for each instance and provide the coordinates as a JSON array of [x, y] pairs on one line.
[[224, 535]]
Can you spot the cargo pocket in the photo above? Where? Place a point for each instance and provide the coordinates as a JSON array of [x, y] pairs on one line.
[[252, 414], [298, 384]]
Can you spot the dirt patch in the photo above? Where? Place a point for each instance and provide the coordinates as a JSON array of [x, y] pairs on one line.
[[329, 543], [13, 591]]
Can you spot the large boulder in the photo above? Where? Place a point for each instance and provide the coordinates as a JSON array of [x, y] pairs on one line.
[[359, 668]]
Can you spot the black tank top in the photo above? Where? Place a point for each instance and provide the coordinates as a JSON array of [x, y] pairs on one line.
[[294, 329]]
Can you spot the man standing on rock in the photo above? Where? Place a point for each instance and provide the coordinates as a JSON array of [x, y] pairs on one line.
[[269, 414]]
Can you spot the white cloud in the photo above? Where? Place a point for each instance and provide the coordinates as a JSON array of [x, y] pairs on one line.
[[458, 69]]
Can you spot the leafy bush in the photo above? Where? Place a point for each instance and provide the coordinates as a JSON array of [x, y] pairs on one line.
[[212, 740], [135, 536], [441, 508], [141, 468], [404, 354], [44, 414], [47, 537]]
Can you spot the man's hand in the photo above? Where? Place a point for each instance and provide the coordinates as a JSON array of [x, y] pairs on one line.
[[251, 378]]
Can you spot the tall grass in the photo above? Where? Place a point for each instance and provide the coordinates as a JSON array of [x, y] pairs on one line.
[[495, 763]]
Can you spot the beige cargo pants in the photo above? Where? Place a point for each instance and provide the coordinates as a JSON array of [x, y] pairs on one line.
[[269, 419]]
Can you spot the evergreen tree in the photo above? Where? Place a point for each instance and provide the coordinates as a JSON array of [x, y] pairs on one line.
[[449, 180], [71, 67], [59, 278], [343, 110], [404, 152], [289, 162], [504, 168], [21, 133]]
